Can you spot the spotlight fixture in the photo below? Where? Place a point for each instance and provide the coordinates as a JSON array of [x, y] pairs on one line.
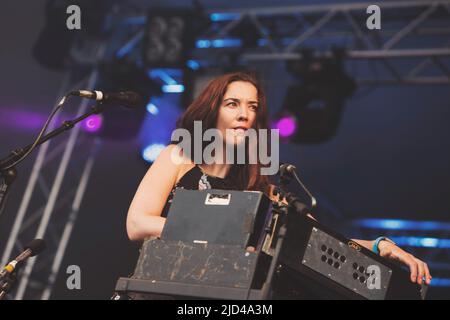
[[316, 103], [168, 38]]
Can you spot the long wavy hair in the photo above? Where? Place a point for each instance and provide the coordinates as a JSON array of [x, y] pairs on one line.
[[205, 108]]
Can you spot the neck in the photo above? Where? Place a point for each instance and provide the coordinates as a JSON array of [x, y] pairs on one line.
[[219, 167], [216, 170]]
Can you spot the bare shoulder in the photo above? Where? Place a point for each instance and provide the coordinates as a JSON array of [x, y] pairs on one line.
[[174, 155], [171, 152]]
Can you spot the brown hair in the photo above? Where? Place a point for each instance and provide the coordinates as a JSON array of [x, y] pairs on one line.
[[205, 108]]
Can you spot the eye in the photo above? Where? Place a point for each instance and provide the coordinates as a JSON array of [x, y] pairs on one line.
[[253, 107], [232, 103]]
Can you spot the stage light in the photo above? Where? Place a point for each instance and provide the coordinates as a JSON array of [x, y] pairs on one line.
[[152, 109], [218, 43], [286, 125], [203, 44], [15, 118], [396, 224], [173, 88], [429, 242], [168, 38], [226, 43], [151, 152], [93, 123], [317, 102], [422, 242], [216, 17], [164, 75], [194, 65], [440, 282]]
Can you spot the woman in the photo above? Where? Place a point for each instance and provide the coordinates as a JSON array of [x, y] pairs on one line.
[[233, 102]]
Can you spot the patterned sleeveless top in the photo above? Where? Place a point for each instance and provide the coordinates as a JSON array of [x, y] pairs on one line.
[[196, 179]]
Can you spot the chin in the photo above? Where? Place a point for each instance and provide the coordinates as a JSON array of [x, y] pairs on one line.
[[236, 142]]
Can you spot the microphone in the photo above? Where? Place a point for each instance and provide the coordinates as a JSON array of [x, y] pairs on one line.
[[33, 248], [127, 99], [289, 170], [297, 204]]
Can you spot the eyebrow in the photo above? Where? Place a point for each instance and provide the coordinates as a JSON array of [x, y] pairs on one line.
[[237, 100]]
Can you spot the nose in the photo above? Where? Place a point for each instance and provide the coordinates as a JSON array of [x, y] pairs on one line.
[[243, 113]]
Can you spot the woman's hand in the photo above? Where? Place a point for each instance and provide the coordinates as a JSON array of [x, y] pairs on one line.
[[419, 269]]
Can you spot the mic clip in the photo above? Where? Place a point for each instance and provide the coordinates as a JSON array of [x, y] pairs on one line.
[[288, 171], [291, 200]]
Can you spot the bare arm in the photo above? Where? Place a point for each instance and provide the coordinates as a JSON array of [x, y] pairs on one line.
[[419, 269], [368, 244], [144, 215]]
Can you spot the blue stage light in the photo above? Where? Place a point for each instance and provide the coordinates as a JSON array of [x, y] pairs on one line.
[[216, 17], [423, 242], [173, 88], [152, 109], [397, 224], [151, 152]]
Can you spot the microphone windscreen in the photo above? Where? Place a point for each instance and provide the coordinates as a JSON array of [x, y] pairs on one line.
[[36, 246], [135, 100], [286, 168]]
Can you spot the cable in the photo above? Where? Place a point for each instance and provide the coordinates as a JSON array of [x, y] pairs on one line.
[[41, 133], [313, 200]]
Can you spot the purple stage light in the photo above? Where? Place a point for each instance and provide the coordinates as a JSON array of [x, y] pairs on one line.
[[93, 123], [15, 118], [286, 125]]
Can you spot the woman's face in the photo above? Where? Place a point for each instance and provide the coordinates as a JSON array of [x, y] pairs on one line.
[[238, 110]]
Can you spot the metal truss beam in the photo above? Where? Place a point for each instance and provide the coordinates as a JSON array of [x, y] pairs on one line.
[[344, 26], [55, 203], [285, 31]]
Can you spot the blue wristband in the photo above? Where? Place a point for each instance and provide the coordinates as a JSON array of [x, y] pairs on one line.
[[376, 243]]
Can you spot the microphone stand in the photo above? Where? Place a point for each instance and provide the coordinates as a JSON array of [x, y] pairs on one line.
[[281, 210], [7, 284], [7, 176]]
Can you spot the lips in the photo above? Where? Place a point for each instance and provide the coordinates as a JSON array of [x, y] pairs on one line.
[[239, 131]]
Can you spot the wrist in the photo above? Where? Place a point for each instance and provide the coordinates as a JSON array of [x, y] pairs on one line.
[[379, 242]]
